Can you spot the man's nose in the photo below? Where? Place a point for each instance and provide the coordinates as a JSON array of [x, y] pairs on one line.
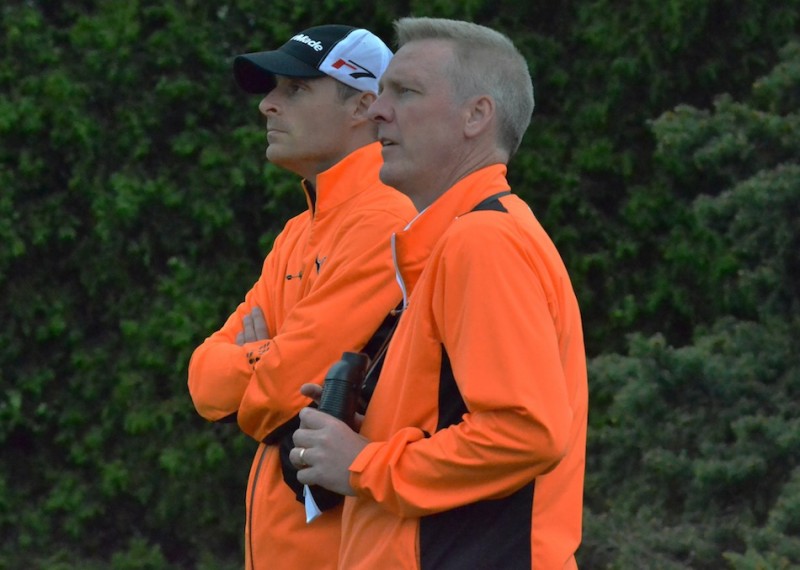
[[379, 110], [267, 105]]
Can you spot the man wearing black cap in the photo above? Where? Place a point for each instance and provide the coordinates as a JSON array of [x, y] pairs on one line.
[[326, 286]]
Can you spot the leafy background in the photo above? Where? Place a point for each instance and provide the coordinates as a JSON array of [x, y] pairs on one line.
[[136, 208]]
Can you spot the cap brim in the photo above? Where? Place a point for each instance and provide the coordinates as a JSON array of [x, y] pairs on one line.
[[255, 72]]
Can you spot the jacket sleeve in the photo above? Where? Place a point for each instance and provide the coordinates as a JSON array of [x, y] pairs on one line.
[[350, 298], [219, 369], [495, 309]]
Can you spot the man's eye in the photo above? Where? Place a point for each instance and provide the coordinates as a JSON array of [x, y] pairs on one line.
[[293, 87]]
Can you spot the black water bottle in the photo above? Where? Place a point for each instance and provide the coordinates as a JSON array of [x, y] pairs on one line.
[[342, 386], [339, 399]]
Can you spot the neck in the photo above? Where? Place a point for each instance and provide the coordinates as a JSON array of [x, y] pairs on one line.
[[424, 197], [360, 138]]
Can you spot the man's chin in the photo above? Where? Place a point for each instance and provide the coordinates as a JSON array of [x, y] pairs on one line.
[[389, 175], [274, 155]]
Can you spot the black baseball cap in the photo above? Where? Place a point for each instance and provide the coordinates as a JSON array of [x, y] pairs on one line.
[[354, 56]]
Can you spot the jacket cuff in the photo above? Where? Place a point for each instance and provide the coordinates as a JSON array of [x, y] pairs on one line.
[[381, 455]]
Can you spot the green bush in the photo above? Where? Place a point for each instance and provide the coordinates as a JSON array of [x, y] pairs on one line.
[[693, 449], [692, 455], [136, 207]]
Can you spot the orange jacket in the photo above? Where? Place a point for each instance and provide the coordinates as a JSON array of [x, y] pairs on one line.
[[324, 289], [478, 422]]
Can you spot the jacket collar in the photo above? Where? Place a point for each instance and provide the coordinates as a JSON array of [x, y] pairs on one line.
[[350, 176], [412, 246]]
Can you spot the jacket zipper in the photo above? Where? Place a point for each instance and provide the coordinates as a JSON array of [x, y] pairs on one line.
[[252, 505], [397, 275]]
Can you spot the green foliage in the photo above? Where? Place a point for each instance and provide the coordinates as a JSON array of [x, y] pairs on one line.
[[126, 205], [694, 449], [136, 208], [692, 459], [715, 232], [776, 545], [618, 65]]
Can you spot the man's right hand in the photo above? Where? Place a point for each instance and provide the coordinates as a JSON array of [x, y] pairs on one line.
[[255, 327]]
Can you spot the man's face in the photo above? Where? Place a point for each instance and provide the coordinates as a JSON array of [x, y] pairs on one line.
[[419, 124], [307, 124]]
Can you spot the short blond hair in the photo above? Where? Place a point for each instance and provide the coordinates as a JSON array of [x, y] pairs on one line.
[[487, 62]]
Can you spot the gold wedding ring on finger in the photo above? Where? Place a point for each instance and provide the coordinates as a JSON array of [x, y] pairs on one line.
[[302, 461]]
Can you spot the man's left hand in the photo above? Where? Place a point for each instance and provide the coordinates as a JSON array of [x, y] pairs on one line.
[[330, 447]]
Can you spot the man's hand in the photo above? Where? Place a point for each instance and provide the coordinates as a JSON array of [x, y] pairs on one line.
[[325, 448], [313, 391], [255, 327]]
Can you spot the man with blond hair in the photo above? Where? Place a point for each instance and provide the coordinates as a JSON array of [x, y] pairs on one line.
[[472, 450]]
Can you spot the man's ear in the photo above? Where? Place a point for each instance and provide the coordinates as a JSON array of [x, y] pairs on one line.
[[479, 115], [362, 102]]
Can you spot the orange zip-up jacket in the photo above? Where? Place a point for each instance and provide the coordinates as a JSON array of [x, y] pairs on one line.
[[478, 422], [324, 289]]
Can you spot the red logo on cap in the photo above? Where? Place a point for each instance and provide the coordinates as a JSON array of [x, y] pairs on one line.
[[353, 65], [341, 63]]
